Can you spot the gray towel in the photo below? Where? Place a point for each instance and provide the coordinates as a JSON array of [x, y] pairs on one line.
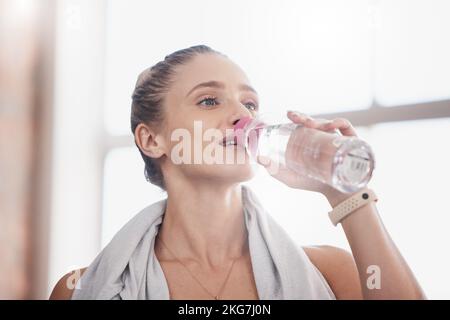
[[127, 268]]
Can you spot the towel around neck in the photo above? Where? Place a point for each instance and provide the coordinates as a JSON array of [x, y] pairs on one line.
[[127, 268]]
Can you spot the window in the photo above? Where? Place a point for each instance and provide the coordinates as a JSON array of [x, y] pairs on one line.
[[412, 51], [284, 48], [411, 180]]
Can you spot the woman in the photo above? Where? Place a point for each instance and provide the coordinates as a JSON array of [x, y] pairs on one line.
[[210, 238]]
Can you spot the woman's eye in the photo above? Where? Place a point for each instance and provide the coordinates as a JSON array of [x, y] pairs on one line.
[[209, 102], [252, 106]]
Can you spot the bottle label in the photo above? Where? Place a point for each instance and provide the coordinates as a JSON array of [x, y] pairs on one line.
[[356, 166]]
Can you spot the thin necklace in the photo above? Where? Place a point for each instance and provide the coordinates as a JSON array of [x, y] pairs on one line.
[[217, 296]]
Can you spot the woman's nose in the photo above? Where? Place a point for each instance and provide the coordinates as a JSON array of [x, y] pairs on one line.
[[239, 113]]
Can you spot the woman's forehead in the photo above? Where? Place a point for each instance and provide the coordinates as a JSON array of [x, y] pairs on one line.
[[206, 68]]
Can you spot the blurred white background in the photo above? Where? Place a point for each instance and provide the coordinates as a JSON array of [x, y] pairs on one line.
[[383, 64]]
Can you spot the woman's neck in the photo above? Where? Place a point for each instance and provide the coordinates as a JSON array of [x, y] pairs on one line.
[[205, 224]]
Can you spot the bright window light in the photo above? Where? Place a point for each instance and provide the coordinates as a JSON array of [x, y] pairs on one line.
[[413, 50], [308, 55]]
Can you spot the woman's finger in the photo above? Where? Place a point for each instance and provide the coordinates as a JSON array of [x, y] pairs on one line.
[[301, 118], [324, 124], [297, 117], [343, 125]]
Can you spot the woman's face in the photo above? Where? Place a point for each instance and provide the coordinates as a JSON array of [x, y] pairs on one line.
[[208, 96]]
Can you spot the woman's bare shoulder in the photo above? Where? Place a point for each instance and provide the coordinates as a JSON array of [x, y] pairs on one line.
[[64, 288], [339, 269]]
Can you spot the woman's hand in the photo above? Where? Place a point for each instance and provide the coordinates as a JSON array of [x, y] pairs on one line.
[[297, 181]]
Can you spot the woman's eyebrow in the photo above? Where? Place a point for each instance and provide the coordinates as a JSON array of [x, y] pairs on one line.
[[219, 85], [246, 87]]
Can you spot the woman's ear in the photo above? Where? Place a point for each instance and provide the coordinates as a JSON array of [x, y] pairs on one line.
[[150, 143]]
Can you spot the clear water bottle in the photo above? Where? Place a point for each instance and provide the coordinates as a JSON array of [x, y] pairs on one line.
[[345, 163]]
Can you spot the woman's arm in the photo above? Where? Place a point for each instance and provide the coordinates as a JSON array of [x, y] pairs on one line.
[[339, 270], [376, 255], [63, 290]]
